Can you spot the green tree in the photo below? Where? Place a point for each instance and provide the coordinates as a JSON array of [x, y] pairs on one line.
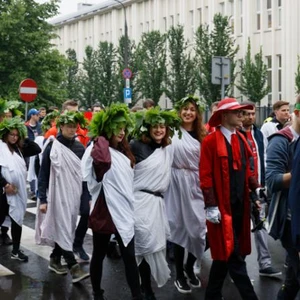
[[218, 42], [180, 80], [72, 83], [98, 77], [106, 65], [26, 50], [151, 62], [297, 77], [254, 76], [89, 78]]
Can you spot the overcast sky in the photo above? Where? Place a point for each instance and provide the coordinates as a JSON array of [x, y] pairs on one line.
[[70, 6]]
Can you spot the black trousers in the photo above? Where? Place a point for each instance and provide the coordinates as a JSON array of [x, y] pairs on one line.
[[80, 231], [69, 257], [292, 276], [100, 245], [179, 258], [235, 266], [16, 230]]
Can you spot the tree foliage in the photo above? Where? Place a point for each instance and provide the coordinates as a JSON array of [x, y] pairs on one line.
[[218, 42], [98, 78], [254, 76], [297, 77], [180, 79], [151, 63], [26, 50], [72, 84]]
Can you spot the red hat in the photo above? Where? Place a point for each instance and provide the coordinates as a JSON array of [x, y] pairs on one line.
[[225, 105]]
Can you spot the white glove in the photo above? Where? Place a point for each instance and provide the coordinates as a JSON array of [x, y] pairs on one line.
[[261, 193], [213, 214]]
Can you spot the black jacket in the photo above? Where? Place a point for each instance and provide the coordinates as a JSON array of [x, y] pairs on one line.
[[44, 174]]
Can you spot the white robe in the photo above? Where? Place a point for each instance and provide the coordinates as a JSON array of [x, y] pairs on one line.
[[65, 188], [184, 198], [118, 189], [13, 169], [151, 224]]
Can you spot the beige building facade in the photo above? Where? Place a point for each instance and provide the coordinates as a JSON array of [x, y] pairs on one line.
[[271, 24]]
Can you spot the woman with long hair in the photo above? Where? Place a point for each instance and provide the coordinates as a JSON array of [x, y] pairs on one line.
[[108, 170], [184, 199], [14, 147], [152, 174]]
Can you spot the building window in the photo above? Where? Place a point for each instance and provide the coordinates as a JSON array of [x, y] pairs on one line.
[[178, 18], [279, 76], [192, 24], [258, 15], [232, 24], [269, 13], [200, 16], [165, 24], [222, 8], [241, 16], [269, 74], [147, 27], [172, 20], [279, 13]]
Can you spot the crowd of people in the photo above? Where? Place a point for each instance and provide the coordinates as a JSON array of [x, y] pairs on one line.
[[155, 180]]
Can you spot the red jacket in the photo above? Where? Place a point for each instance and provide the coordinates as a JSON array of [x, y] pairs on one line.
[[215, 185]]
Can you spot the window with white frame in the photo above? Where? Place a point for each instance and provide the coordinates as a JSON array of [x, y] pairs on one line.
[[171, 20], [192, 25], [222, 8], [200, 16], [178, 19], [165, 26], [269, 13], [269, 79], [279, 13], [241, 15], [258, 14], [279, 63]]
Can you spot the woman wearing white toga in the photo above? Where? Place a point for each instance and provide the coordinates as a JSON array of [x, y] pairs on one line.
[[152, 174], [184, 199]]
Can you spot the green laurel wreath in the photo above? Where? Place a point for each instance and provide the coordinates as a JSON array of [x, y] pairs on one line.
[[13, 107], [182, 102], [154, 116], [49, 118], [71, 117], [109, 121], [8, 125]]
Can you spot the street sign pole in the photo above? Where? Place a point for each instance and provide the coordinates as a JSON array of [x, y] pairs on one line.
[[127, 74], [221, 72]]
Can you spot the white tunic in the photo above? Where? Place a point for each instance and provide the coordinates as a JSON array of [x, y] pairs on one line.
[[151, 224], [13, 169], [65, 188], [184, 198], [118, 189]]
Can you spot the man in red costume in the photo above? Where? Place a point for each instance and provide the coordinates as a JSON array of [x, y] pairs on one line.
[[225, 178]]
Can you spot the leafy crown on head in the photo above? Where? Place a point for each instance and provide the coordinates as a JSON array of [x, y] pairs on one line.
[[109, 121], [69, 117], [182, 102], [155, 116], [8, 125]]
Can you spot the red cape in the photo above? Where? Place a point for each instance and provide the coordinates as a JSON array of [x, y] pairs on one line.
[[215, 184]]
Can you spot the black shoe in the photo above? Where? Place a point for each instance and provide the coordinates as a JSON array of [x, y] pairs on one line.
[[269, 272], [193, 279], [182, 286], [150, 297], [19, 255], [6, 240]]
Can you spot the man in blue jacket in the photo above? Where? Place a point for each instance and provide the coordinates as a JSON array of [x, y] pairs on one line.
[[256, 141], [280, 152]]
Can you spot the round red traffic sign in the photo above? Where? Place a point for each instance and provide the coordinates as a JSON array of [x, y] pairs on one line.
[[127, 73], [28, 90]]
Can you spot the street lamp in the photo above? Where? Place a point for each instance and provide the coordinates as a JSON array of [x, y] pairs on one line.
[[125, 34]]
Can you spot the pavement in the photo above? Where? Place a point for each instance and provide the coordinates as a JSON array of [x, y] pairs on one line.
[[33, 280]]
